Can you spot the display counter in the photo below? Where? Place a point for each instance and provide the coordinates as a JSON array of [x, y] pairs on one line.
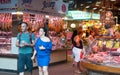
[[100, 69], [59, 55], [9, 61], [103, 57]]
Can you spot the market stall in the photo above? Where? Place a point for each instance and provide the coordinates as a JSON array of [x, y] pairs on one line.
[[34, 12], [103, 56]]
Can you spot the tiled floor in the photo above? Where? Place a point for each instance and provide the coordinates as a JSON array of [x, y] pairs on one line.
[[65, 68]]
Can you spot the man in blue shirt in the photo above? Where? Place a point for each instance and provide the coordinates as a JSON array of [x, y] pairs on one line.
[[25, 42]]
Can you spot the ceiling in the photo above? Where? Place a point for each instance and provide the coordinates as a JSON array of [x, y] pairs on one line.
[[95, 5]]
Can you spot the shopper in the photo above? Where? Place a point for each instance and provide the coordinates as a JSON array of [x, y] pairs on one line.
[[77, 50], [72, 38], [91, 37], [43, 46], [25, 42], [73, 43]]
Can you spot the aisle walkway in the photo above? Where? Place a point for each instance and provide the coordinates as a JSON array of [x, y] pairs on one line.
[[65, 68]]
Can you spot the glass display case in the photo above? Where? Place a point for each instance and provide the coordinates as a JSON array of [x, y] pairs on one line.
[[5, 42], [103, 55], [5, 33]]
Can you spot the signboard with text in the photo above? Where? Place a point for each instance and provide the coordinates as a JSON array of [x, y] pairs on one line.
[[80, 15], [40, 6], [44, 6], [8, 3], [83, 15], [95, 16]]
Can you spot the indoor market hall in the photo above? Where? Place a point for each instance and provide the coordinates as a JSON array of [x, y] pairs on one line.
[[59, 37]]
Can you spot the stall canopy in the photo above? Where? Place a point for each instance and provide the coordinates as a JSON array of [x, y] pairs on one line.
[[52, 7]]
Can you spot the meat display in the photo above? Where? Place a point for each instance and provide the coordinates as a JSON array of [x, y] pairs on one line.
[[5, 32], [105, 53]]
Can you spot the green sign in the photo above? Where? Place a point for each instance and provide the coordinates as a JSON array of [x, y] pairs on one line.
[[79, 15], [82, 15]]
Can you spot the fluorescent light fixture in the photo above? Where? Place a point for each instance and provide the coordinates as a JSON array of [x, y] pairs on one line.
[[98, 2], [94, 8], [18, 12], [112, 0], [103, 7], [81, 4], [70, 2], [97, 5], [87, 6], [100, 9], [89, 1]]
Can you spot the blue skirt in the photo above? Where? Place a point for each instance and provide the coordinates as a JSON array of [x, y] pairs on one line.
[[43, 60]]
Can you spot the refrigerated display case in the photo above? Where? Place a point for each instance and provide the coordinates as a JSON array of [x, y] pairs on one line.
[[103, 56]]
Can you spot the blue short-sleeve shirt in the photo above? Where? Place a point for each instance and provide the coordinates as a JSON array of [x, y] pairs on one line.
[[25, 37]]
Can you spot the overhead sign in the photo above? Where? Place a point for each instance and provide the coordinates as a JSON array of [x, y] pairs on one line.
[[95, 16], [43, 6], [8, 3], [46, 6], [80, 15]]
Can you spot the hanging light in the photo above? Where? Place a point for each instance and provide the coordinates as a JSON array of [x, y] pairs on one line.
[[73, 25], [94, 8], [112, 0], [87, 7]]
